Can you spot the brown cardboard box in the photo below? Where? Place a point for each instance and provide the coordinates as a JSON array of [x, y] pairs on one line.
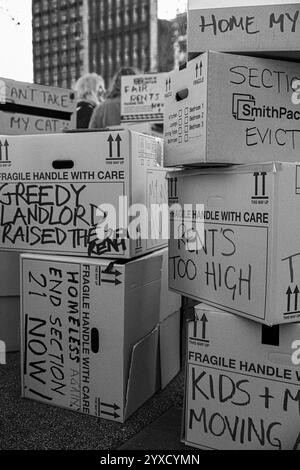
[[242, 384], [243, 254], [53, 185], [27, 108], [226, 109], [260, 27], [91, 334]]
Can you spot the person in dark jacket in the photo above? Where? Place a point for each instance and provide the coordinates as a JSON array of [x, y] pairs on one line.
[[90, 91], [108, 114]]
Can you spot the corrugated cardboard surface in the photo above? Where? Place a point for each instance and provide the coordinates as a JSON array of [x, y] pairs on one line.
[[9, 274], [241, 394], [27, 108], [246, 260], [226, 109], [10, 300], [237, 26], [170, 354], [142, 98], [52, 187], [113, 309], [10, 323]]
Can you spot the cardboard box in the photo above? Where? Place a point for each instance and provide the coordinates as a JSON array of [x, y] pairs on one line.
[[264, 27], [246, 261], [10, 301], [27, 108], [226, 109], [10, 323], [9, 274], [112, 310], [142, 98], [53, 185], [242, 386]]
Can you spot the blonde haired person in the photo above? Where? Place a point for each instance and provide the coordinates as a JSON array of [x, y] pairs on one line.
[[109, 113], [90, 89]]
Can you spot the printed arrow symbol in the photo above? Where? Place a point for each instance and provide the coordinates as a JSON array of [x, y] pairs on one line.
[[110, 140], [296, 293], [110, 270], [264, 183], [256, 183], [289, 294], [171, 187], [195, 329], [204, 323], [113, 415], [6, 145], [112, 281], [119, 140], [115, 407]]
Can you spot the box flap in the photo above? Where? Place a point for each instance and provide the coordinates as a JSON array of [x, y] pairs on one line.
[[271, 167], [169, 343], [142, 375]]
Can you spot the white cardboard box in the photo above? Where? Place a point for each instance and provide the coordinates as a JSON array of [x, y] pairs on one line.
[[249, 264], [142, 98], [265, 27], [242, 387], [27, 108], [225, 109], [52, 186], [90, 333]]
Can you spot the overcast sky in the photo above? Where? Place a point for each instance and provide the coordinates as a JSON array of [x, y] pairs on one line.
[[16, 37]]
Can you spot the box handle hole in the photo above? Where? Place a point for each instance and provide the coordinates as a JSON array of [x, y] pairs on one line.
[[95, 341], [182, 95], [63, 164]]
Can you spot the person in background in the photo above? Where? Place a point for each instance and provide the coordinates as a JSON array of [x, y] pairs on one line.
[[90, 89], [109, 113]]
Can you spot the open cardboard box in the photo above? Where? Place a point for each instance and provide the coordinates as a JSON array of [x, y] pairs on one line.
[[91, 336], [27, 108], [242, 384], [258, 27]]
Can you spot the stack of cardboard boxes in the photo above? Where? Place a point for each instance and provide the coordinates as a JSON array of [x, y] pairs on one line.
[[25, 109], [234, 121], [99, 330]]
